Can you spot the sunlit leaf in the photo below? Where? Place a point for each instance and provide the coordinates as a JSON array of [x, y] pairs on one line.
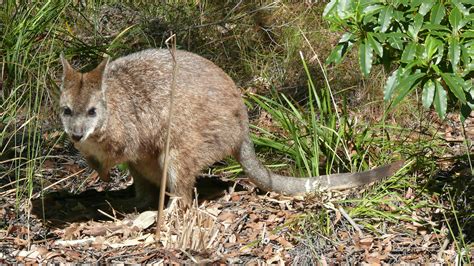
[[454, 53], [455, 85], [406, 85], [372, 9], [409, 52], [455, 19], [426, 7], [395, 40], [376, 46], [431, 47], [336, 54], [329, 8], [414, 28], [365, 58], [461, 7], [440, 100], [428, 93], [390, 85], [343, 7], [385, 17], [437, 13]]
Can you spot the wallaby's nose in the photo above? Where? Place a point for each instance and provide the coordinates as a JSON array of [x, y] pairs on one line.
[[76, 137]]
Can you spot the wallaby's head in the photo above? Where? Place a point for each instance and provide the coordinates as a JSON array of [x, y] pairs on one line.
[[82, 103]]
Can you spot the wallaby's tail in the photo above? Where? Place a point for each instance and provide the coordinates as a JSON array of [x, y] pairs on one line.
[[268, 181]]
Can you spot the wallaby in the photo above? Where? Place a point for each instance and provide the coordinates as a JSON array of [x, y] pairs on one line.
[[118, 113]]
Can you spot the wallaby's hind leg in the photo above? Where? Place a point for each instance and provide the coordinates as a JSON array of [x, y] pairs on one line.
[[181, 185], [182, 171], [145, 193]]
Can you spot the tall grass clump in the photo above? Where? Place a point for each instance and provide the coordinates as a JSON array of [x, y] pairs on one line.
[[29, 49], [315, 133]]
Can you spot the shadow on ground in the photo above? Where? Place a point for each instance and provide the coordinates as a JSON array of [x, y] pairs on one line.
[[455, 188], [62, 207]]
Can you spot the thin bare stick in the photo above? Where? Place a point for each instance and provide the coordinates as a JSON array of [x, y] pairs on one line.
[[108, 215], [164, 176], [352, 222], [59, 181]]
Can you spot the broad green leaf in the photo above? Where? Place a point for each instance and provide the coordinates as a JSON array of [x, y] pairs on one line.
[[391, 84], [375, 44], [431, 47], [437, 13], [428, 94], [365, 58], [395, 39], [400, 17], [414, 28], [337, 54], [455, 19], [465, 58], [442, 29], [439, 53], [343, 7], [461, 7], [440, 100], [329, 8], [372, 9], [454, 53], [455, 85], [346, 37], [468, 34], [414, 3], [407, 84], [426, 7], [469, 68], [385, 17], [409, 52]]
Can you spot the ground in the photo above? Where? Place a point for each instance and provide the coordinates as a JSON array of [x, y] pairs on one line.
[[70, 220], [53, 208]]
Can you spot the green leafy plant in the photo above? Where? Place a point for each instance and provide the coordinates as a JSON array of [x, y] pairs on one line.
[[431, 44]]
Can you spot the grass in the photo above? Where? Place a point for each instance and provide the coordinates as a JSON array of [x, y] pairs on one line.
[[311, 127], [27, 45], [315, 132]]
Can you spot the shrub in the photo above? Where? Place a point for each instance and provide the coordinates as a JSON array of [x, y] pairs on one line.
[[430, 44]]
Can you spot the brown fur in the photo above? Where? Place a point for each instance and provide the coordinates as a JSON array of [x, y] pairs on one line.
[[130, 97]]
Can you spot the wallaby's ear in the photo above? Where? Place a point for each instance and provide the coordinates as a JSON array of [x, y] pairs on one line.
[[67, 68], [99, 70]]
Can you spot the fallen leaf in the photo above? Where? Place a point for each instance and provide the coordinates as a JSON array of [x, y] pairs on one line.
[[285, 243], [145, 219]]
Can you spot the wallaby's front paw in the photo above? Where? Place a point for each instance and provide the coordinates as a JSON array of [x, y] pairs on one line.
[[105, 176]]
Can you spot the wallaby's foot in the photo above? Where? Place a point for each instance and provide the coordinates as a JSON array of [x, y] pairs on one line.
[[145, 197], [134, 204]]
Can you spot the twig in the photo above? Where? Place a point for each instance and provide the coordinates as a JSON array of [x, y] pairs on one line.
[[59, 181], [108, 215], [13, 182], [356, 226], [161, 202], [442, 249], [5, 193], [233, 228], [189, 256]]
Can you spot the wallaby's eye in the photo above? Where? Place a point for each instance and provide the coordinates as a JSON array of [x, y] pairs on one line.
[[67, 111], [91, 112]]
